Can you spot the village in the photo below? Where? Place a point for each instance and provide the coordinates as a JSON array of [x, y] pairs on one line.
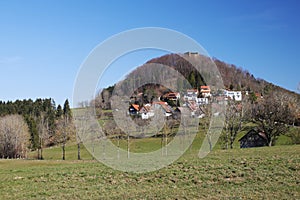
[[172, 103]]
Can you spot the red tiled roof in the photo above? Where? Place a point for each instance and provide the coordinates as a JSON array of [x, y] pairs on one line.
[[160, 102], [192, 90], [204, 87], [147, 108], [135, 106], [164, 105]]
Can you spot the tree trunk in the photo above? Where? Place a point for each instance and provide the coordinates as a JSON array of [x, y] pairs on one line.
[[209, 142], [78, 151], [231, 142], [42, 158], [63, 151], [270, 143], [93, 150], [118, 147], [41, 149], [166, 144], [162, 145], [39, 153], [128, 148], [226, 139]]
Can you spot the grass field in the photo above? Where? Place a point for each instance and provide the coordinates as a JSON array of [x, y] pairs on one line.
[[258, 173]]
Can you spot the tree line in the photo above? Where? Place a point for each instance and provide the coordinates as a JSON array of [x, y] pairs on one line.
[[34, 125]]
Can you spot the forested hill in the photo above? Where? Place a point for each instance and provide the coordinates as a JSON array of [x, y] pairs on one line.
[[234, 78]]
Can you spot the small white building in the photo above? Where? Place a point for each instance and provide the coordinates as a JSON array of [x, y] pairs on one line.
[[191, 95], [192, 92], [234, 95], [202, 101], [147, 115], [205, 91], [146, 111]]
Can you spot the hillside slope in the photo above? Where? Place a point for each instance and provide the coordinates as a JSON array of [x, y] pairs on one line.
[[234, 78]]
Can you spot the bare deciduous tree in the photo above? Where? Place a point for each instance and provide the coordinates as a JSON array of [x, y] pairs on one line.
[[64, 131], [43, 131], [81, 124], [205, 123], [233, 122], [14, 137], [273, 117]]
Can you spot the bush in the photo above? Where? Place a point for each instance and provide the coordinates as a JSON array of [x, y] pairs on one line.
[[295, 135]]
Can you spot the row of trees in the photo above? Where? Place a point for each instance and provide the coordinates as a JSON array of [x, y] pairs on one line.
[[46, 125]]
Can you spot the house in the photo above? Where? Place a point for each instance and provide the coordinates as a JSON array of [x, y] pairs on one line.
[[146, 111], [173, 96], [133, 109], [202, 101], [192, 92], [164, 106], [235, 95], [253, 139], [191, 95], [259, 95], [195, 110], [205, 91]]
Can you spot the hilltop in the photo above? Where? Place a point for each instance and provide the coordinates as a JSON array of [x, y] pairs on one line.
[[234, 78]]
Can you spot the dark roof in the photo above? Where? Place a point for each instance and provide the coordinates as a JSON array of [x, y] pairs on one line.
[[260, 133]]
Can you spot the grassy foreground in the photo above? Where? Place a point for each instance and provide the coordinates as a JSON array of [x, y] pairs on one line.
[[260, 173]]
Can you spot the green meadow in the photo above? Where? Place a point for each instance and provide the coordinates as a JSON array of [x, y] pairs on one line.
[[256, 173]]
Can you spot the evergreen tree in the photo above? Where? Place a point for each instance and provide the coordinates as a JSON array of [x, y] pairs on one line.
[[59, 111], [67, 110], [34, 136], [192, 79], [66, 126]]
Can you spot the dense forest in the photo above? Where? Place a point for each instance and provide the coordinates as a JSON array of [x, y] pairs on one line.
[[45, 124]]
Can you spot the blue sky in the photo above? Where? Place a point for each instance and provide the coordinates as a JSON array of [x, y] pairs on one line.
[[43, 43]]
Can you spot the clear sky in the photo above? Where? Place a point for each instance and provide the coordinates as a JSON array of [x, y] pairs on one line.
[[43, 43]]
